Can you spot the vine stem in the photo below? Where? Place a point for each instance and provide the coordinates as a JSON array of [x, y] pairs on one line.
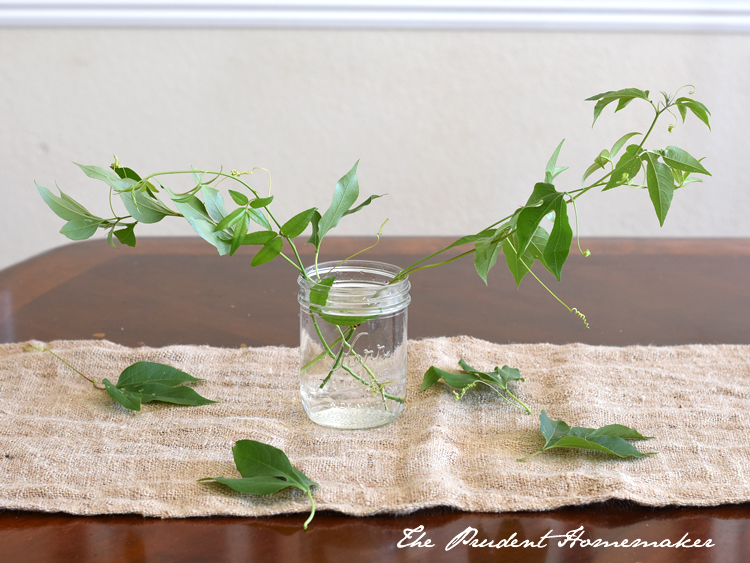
[[406, 272], [322, 340], [378, 235], [319, 357], [337, 361], [236, 177], [224, 174], [418, 262], [285, 257], [573, 310]]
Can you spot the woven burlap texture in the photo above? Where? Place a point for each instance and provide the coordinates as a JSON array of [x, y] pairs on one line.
[[65, 446]]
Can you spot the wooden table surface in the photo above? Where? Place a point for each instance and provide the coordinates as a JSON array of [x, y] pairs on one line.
[[178, 291]]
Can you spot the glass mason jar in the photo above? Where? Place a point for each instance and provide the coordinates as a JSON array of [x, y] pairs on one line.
[[353, 343]]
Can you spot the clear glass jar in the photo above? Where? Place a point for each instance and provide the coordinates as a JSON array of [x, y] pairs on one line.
[[353, 344]]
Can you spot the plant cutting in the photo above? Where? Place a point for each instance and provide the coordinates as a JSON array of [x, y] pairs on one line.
[[143, 382], [265, 470], [470, 377], [610, 439], [353, 312]]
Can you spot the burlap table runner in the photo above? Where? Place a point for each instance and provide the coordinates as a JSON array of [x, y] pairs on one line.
[[65, 446]]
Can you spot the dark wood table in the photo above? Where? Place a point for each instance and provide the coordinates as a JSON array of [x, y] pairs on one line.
[[178, 291]]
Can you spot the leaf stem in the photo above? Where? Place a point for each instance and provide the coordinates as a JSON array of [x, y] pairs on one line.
[[530, 456], [301, 268], [524, 405], [30, 347], [312, 510]]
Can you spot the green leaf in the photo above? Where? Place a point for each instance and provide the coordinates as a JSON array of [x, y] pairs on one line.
[[64, 207], [230, 220], [365, 203], [431, 377], [138, 374], [660, 184], [75, 205], [144, 382], [297, 224], [259, 237], [131, 401], [496, 380], [530, 217], [499, 376], [206, 231], [608, 439], [621, 143], [315, 237], [540, 191], [182, 198], [557, 247], [623, 97], [538, 244], [214, 203], [190, 207], [552, 170], [685, 181], [699, 110], [240, 230], [258, 217], [124, 172], [144, 207], [107, 176], [455, 380], [486, 234], [485, 256], [196, 206], [238, 197], [80, 229], [269, 251], [127, 235], [345, 194], [319, 291], [518, 266], [265, 470], [168, 394], [591, 169], [535, 251], [254, 459], [677, 158], [261, 202], [627, 168]]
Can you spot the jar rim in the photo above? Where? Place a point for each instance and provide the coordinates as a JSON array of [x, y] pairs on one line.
[[386, 270], [360, 287]]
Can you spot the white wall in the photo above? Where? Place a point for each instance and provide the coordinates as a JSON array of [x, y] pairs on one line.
[[455, 125]]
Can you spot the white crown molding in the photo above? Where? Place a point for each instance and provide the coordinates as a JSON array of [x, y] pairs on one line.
[[594, 15]]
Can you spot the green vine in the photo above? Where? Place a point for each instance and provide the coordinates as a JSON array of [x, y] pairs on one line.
[[519, 236]]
